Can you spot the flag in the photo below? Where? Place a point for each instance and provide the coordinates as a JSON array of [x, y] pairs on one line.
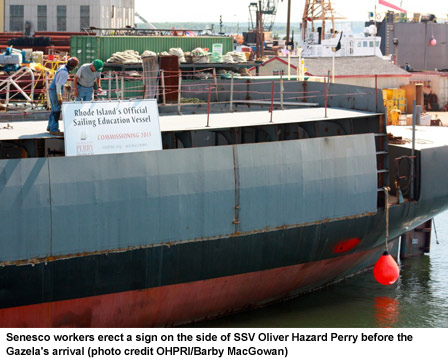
[[392, 6], [338, 46]]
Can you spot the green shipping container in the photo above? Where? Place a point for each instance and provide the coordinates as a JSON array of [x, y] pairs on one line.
[[89, 48]]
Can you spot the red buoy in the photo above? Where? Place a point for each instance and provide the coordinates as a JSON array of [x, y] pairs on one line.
[[386, 270], [433, 42]]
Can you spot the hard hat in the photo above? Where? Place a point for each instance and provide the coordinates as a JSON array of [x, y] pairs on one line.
[[98, 64]]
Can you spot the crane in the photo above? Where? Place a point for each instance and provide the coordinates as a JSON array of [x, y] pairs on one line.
[[320, 10], [150, 26], [267, 9]]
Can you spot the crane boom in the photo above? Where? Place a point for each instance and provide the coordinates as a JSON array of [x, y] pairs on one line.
[[150, 26], [320, 10]]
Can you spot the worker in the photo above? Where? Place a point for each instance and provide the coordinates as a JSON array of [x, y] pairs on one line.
[[55, 91], [85, 79]]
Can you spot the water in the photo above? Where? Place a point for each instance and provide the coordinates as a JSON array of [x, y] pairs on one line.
[[419, 299]]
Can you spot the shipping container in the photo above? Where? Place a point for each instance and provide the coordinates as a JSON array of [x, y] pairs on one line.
[[88, 48]]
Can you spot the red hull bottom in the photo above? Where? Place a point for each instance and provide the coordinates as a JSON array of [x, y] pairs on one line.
[[182, 303]]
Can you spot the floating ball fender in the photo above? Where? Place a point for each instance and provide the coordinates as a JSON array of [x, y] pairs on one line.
[[433, 41], [386, 270]]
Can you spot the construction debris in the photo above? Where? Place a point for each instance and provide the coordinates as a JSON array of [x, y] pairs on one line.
[[234, 57], [179, 53], [396, 139], [197, 56], [200, 56], [215, 58], [125, 57], [148, 53]]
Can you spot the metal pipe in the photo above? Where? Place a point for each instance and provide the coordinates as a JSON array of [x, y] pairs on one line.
[[47, 91], [281, 92], [179, 90], [162, 76], [7, 93], [32, 84], [109, 84], [208, 105], [117, 92], [288, 20], [122, 87], [259, 31], [332, 69], [376, 92], [272, 100], [415, 120], [325, 97], [289, 65], [215, 80], [231, 93], [386, 211]]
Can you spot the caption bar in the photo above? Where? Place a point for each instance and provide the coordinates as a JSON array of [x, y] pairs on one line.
[[207, 343]]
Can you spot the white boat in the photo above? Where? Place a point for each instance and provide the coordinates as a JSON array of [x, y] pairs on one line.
[[343, 43]]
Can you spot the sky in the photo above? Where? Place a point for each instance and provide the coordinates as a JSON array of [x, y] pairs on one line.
[[237, 10]]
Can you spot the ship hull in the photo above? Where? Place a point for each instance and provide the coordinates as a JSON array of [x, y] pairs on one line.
[[170, 237], [181, 303]]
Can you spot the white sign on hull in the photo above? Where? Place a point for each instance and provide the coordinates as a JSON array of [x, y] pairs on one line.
[[109, 127]]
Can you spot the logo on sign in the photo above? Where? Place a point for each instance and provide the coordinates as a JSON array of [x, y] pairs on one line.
[[84, 148]]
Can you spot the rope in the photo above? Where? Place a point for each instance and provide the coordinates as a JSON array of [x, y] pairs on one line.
[[435, 230], [386, 208]]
